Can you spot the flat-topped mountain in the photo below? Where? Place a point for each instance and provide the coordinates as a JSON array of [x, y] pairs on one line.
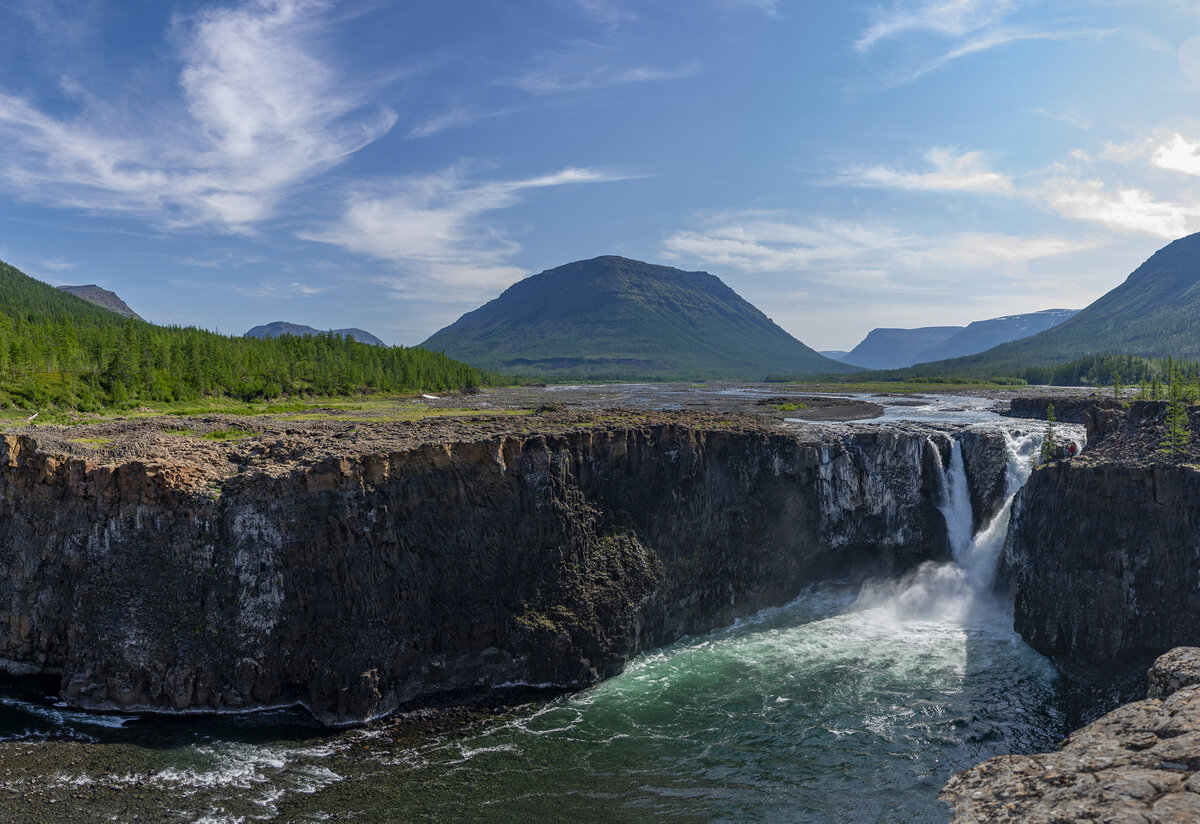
[[898, 348], [888, 348], [102, 297], [278, 328], [984, 334], [611, 317]]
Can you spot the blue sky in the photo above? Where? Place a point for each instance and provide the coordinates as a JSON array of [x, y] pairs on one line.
[[392, 165]]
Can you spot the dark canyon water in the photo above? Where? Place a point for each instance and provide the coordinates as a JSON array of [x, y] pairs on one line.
[[848, 705]]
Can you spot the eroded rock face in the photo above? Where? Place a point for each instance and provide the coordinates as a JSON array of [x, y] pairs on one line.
[[356, 584], [1066, 409], [1140, 763], [985, 457], [1103, 559]]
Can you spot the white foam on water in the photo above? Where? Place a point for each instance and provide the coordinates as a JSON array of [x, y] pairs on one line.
[[64, 718]]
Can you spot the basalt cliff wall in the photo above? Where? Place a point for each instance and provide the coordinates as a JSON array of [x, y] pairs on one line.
[[1103, 551], [1103, 559], [365, 582]]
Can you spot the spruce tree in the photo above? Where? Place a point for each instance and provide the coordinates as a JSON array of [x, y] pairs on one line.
[[1049, 440], [1177, 423]]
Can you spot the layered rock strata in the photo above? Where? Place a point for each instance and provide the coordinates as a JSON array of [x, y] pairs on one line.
[[1103, 551], [364, 581], [1140, 763]]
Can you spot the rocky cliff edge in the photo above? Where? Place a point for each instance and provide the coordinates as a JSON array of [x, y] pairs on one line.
[[357, 570], [1140, 764]]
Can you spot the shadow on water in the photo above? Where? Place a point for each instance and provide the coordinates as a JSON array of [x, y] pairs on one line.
[[30, 710]]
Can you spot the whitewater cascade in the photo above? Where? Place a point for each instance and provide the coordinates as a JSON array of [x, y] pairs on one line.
[[952, 590]]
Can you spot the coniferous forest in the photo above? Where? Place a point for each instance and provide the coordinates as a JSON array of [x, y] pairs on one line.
[[59, 350]]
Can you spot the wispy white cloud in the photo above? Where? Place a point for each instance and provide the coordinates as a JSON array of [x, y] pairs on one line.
[[814, 273], [1189, 58], [433, 229], [947, 18], [880, 256], [951, 172], [604, 11], [450, 119], [1069, 117], [261, 113], [277, 290], [767, 7], [986, 41], [950, 30], [1117, 185], [1113, 184], [559, 81], [1124, 209], [1180, 155], [59, 264]]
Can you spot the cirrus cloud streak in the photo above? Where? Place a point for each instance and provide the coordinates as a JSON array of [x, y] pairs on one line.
[[260, 114]]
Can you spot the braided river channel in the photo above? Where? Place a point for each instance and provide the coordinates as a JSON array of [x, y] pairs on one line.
[[850, 704]]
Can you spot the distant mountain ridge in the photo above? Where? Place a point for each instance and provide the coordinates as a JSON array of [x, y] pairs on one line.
[[984, 334], [1155, 312], [102, 297], [900, 348], [616, 318], [277, 328], [888, 348]]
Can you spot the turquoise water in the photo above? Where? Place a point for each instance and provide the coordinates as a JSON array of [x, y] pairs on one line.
[[807, 713], [818, 711]]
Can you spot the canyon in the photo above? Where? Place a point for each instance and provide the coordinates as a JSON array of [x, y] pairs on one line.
[[362, 581], [357, 570]]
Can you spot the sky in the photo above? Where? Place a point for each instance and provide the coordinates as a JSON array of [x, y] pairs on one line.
[[391, 165]]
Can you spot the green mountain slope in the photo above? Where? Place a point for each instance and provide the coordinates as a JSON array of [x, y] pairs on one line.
[[616, 318], [1153, 314], [60, 350]]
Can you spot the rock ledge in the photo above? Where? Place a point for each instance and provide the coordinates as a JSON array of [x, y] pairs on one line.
[[1140, 763]]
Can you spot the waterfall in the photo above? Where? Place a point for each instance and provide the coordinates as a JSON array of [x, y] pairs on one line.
[[949, 591], [979, 556], [956, 502]]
